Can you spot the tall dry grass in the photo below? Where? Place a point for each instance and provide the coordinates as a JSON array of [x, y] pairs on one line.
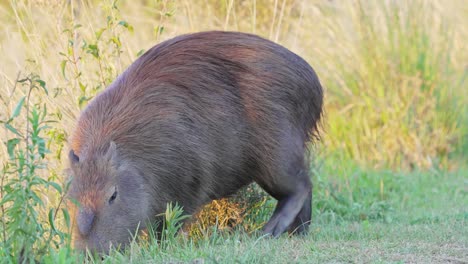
[[394, 71]]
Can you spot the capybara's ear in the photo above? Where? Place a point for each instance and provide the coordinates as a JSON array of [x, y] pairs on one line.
[[112, 151], [74, 159]]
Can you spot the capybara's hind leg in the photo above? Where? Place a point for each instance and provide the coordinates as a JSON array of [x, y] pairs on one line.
[[302, 221], [292, 193]]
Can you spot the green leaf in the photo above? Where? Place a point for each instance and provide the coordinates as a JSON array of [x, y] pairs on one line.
[[36, 199], [12, 129], [126, 25], [116, 41], [62, 66], [158, 30], [44, 111], [9, 197], [18, 107], [56, 186], [43, 85], [11, 144], [41, 148], [93, 49], [51, 219], [123, 23], [66, 216], [140, 52], [82, 87], [99, 33], [74, 201]]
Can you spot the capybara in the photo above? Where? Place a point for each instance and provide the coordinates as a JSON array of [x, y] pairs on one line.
[[195, 118]]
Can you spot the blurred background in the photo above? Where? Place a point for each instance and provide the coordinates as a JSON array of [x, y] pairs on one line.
[[394, 74], [394, 71]]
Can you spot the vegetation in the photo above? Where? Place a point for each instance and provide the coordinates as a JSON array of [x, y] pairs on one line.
[[389, 173]]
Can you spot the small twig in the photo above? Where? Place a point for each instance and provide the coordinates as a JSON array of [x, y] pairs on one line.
[[161, 18], [280, 19], [31, 87], [273, 19], [228, 14], [3, 207], [14, 85], [103, 80], [59, 205]]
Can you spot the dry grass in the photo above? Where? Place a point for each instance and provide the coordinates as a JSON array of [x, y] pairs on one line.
[[393, 70]]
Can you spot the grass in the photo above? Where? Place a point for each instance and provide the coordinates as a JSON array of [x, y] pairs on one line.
[[425, 222], [389, 174]]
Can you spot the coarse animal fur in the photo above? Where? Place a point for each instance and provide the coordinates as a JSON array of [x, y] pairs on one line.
[[194, 119]]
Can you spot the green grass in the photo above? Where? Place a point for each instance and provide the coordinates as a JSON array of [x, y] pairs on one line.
[[421, 217], [425, 222]]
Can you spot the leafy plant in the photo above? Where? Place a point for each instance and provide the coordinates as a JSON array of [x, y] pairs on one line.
[[100, 51], [25, 234]]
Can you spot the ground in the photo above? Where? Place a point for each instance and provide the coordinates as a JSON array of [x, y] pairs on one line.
[[425, 222]]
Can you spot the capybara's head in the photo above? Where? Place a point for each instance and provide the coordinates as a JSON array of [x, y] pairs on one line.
[[109, 202]]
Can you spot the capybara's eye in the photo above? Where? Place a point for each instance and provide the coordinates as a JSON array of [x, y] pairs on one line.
[[112, 198]]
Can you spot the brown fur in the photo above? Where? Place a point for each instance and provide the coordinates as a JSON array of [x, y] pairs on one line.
[[194, 119]]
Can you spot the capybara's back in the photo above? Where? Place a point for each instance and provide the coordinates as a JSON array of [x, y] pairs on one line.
[[194, 119]]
